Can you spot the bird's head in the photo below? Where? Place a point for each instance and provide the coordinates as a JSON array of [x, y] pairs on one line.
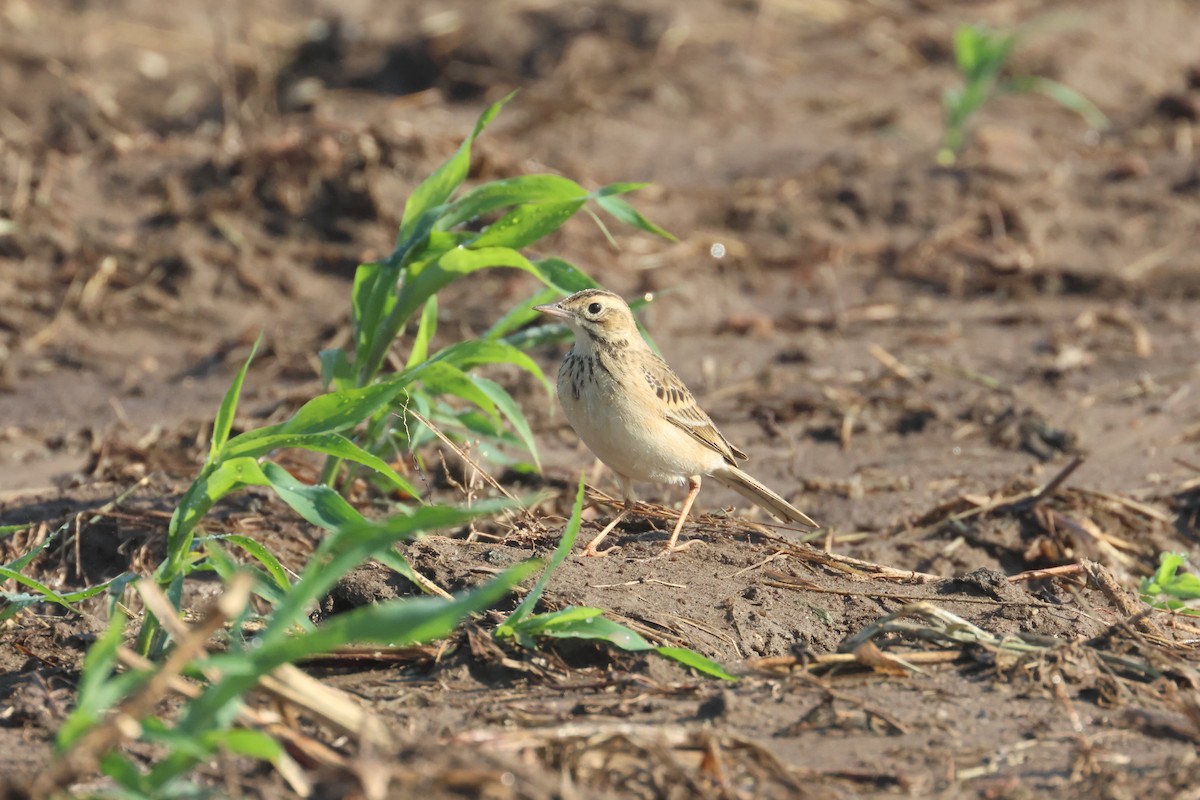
[[595, 313]]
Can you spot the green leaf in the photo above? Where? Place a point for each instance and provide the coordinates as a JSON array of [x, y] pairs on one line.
[[425, 332], [354, 541], [690, 658], [968, 48], [509, 626], [509, 192], [626, 213], [1065, 96], [224, 421], [589, 623], [220, 562], [333, 444], [399, 622], [438, 187], [336, 411], [336, 370], [519, 315], [213, 483], [511, 410], [562, 278], [527, 223], [124, 772], [258, 551], [245, 742], [90, 700], [448, 267], [373, 299], [591, 626], [22, 562], [45, 591], [408, 620], [319, 504], [441, 378], [9, 530], [563, 275], [466, 355]]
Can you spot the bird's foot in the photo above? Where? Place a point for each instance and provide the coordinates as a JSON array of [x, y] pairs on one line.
[[592, 552], [671, 549]]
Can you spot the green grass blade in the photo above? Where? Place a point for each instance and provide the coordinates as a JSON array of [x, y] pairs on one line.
[[218, 561], [595, 626], [442, 378], [690, 658], [589, 623], [126, 774], [563, 275], [12, 603], [466, 355], [224, 421], [1066, 97], [527, 223], [319, 505], [22, 562], [337, 411], [618, 188], [438, 187], [512, 412], [508, 627], [519, 315], [399, 622], [9, 530], [245, 742], [333, 444], [626, 213], [90, 700], [509, 192], [45, 591], [968, 49], [373, 297], [258, 551], [425, 332], [353, 542], [212, 484], [336, 370]]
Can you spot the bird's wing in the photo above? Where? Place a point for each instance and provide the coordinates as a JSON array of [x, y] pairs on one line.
[[680, 408]]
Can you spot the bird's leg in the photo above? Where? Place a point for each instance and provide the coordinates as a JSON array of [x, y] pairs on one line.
[[630, 502], [693, 490]]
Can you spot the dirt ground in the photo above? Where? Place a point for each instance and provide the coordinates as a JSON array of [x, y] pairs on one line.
[[917, 355]]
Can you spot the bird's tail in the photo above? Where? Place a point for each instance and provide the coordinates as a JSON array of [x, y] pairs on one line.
[[760, 495]]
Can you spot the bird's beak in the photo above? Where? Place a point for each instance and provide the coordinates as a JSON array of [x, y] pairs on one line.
[[553, 310]]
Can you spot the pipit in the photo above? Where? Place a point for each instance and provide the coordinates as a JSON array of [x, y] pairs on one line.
[[637, 416]]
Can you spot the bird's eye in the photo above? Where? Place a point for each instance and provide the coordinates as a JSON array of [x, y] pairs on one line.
[[594, 309]]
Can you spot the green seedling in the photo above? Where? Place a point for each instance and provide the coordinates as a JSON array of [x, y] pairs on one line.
[[441, 241], [1170, 589], [576, 622], [981, 55], [204, 727]]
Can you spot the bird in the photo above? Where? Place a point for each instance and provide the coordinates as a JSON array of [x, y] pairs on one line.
[[639, 418]]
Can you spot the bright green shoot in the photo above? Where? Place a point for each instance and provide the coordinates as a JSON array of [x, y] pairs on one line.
[[436, 247], [1170, 589], [576, 622], [206, 724], [233, 464], [981, 55]]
